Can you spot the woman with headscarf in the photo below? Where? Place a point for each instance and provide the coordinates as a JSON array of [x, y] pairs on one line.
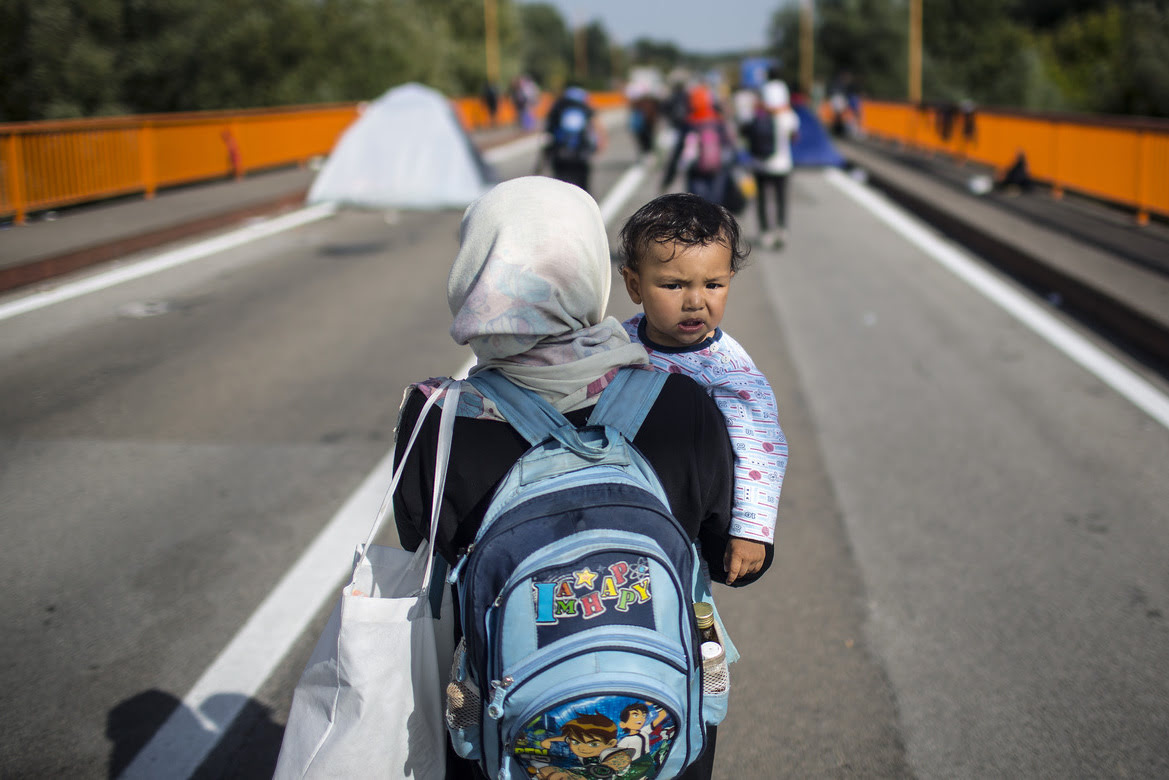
[[528, 292]]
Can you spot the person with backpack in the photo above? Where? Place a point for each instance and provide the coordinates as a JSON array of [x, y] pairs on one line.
[[706, 149], [491, 101], [643, 117], [769, 140], [573, 135], [587, 562]]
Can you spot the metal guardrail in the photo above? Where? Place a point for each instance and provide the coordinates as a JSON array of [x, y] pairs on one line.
[[1123, 161], [45, 165], [52, 164]]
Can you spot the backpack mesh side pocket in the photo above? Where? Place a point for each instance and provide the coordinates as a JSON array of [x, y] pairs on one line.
[[716, 678], [463, 704]]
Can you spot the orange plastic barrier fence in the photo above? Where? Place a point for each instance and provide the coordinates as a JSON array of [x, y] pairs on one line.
[[1124, 161], [46, 165], [473, 114]]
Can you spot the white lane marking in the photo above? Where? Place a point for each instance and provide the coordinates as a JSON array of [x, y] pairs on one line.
[[1106, 368], [213, 703], [625, 186], [180, 746], [170, 259]]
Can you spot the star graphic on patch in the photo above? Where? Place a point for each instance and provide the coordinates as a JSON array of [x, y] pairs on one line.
[[585, 578]]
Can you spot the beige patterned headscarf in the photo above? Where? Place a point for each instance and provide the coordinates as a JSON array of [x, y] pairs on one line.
[[529, 287]]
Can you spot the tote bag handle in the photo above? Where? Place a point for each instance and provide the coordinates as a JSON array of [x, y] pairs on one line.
[[450, 390]]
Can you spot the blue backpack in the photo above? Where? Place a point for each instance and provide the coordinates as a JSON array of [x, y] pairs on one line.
[[572, 137], [580, 649]]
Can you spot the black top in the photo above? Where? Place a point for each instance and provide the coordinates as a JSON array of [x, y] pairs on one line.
[[684, 438]]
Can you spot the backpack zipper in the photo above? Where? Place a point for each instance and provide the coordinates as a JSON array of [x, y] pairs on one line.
[[577, 646], [569, 691], [557, 483]]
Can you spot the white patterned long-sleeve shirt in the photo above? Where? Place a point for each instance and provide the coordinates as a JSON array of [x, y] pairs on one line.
[[748, 405]]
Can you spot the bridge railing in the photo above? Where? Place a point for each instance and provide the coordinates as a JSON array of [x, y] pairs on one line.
[[53, 164], [46, 165], [1119, 160]]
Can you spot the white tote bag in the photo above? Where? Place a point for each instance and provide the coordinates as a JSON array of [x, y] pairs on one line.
[[369, 703]]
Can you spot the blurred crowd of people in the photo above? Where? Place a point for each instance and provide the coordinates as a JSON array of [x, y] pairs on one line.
[[730, 147], [727, 149]]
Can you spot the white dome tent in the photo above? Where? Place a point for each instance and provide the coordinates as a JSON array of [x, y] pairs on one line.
[[406, 150]]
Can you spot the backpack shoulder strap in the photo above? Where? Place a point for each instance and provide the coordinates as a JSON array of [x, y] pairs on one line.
[[532, 416], [622, 406], [627, 400]]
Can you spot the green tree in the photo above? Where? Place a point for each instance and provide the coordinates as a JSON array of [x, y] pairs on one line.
[[1145, 69], [864, 41], [158, 58], [459, 39], [975, 51], [546, 48], [1115, 60], [1040, 15], [784, 44], [59, 58], [370, 46], [664, 55], [185, 55], [598, 57], [1080, 57]]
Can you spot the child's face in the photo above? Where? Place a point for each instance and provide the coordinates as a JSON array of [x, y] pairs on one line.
[[635, 721], [683, 297]]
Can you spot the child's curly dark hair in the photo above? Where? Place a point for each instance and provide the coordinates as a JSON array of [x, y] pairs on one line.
[[683, 219]]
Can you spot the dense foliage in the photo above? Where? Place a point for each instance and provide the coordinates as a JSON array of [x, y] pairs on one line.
[[70, 58], [1104, 56]]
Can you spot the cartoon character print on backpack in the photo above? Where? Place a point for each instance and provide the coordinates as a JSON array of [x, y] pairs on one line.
[[597, 737]]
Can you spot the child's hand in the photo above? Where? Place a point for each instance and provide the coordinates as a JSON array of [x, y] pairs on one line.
[[743, 557]]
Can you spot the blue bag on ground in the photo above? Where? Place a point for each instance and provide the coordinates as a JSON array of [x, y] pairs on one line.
[[580, 654]]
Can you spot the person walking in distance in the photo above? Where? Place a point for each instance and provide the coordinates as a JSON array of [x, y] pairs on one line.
[[574, 135], [769, 141], [705, 149]]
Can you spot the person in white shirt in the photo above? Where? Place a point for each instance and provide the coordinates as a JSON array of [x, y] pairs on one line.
[[771, 171], [639, 731]]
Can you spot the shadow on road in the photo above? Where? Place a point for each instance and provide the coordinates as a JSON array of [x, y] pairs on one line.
[[247, 751]]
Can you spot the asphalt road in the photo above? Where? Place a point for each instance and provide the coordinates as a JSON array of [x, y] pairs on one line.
[[971, 575]]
